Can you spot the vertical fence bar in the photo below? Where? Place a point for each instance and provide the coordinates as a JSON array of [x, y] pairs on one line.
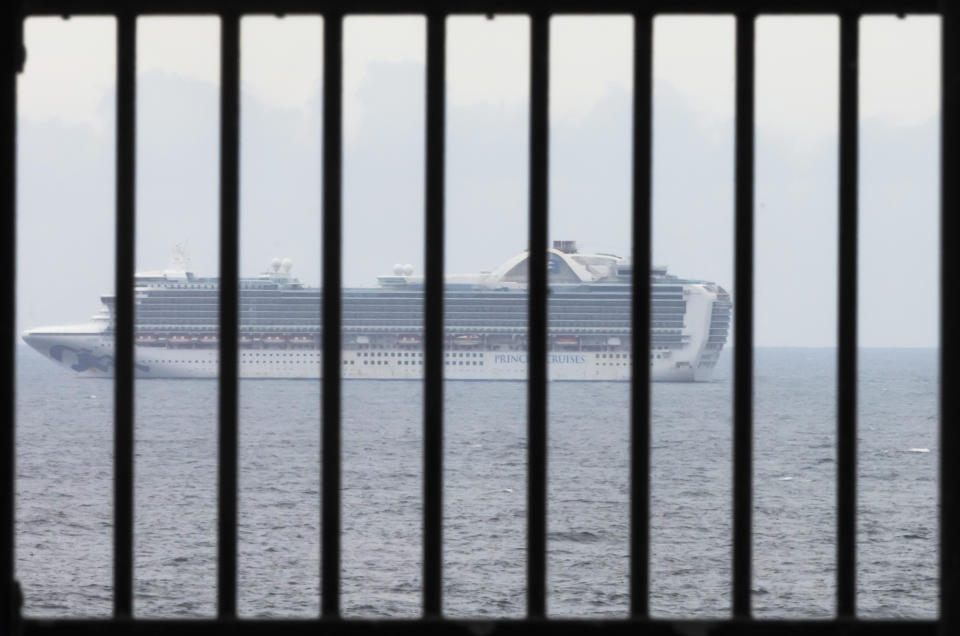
[[332, 277], [847, 323], [123, 343], [640, 385], [743, 326], [537, 327], [229, 281], [11, 62], [433, 322], [949, 318]]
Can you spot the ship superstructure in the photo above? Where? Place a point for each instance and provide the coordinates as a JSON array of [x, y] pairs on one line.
[[485, 325]]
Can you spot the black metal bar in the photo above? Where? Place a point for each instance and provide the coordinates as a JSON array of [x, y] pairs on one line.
[[11, 62], [433, 321], [949, 318], [229, 283], [847, 324], [123, 337], [189, 7], [537, 330], [743, 327], [574, 627], [640, 386], [332, 277]]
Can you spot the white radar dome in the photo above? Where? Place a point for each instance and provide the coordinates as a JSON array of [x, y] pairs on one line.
[[287, 265], [275, 264], [407, 269], [398, 269]]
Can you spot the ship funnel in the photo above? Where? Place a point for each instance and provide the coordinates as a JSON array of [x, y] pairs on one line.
[[567, 247]]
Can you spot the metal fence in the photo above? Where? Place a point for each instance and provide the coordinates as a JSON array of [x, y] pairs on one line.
[[849, 11]]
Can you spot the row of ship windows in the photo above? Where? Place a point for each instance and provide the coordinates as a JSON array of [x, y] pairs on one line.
[[475, 363], [249, 284], [617, 364], [314, 318], [160, 321], [481, 304], [314, 298], [414, 312], [415, 354], [398, 362], [619, 356], [252, 355], [217, 361], [393, 317], [315, 313], [402, 354]]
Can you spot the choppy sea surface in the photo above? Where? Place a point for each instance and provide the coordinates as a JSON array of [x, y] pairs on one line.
[[64, 504]]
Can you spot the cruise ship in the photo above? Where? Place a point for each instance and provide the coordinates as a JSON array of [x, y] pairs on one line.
[[485, 323]]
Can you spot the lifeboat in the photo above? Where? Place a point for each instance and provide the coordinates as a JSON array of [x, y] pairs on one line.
[[408, 340], [467, 340], [567, 340], [179, 340], [209, 339]]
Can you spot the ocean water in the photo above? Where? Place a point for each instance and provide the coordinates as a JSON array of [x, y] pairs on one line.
[[64, 494]]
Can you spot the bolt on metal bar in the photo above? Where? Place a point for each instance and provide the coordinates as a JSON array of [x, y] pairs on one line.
[[537, 320], [229, 282], [949, 318], [640, 384], [125, 264], [11, 61], [332, 278], [847, 323], [433, 321], [743, 327]]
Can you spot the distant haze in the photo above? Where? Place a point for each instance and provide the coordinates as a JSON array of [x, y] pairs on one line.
[[66, 164]]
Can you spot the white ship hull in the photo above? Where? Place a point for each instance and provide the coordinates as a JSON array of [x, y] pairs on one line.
[[91, 355]]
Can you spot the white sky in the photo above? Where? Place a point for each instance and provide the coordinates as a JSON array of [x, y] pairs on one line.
[[70, 71], [899, 58]]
